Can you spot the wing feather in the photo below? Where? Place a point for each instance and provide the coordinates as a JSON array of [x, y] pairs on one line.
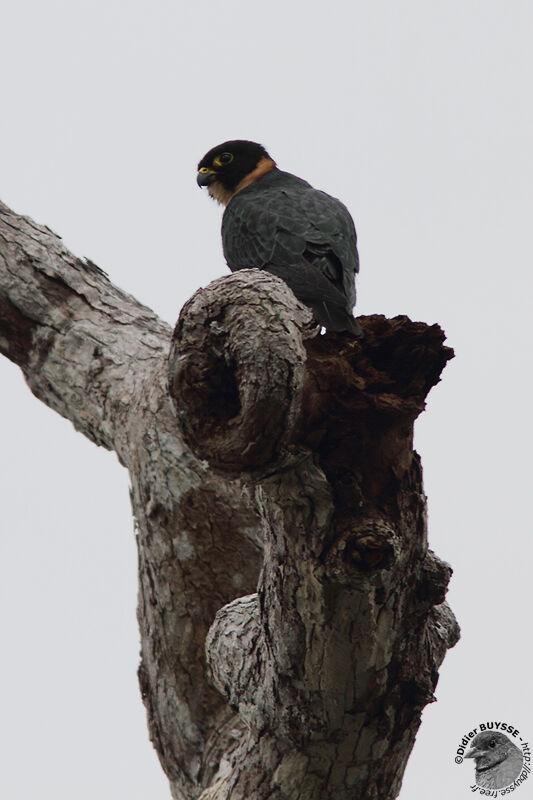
[[280, 223]]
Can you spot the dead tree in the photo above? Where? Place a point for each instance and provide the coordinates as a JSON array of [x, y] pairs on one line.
[[292, 616]]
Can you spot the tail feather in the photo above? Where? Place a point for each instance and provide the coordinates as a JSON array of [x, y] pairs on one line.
[[311, 287], [336, 318]]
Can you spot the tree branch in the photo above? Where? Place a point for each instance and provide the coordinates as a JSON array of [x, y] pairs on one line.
[[285, 448], [71, 331]]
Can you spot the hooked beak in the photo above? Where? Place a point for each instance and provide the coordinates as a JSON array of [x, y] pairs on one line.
[[205, 176]]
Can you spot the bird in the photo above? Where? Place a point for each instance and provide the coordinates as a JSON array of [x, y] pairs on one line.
[[498, 760], [278, 222]]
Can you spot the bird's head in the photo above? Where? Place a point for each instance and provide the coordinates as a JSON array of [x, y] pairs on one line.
[[229, 167], [490, 748]]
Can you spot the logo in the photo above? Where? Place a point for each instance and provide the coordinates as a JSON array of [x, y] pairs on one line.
[[500, 756]]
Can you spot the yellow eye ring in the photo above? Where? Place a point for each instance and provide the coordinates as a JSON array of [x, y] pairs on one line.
[[222, 159]]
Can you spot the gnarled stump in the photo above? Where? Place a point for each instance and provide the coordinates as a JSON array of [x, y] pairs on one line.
[[330, 664], [280, 517]]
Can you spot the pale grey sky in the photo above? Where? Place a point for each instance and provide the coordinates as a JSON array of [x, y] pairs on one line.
[[419, 117]]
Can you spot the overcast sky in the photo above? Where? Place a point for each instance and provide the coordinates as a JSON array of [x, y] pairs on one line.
[[418, 115]]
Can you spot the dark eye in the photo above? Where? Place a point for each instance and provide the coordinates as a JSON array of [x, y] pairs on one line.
[[222, 159], [492, 743]]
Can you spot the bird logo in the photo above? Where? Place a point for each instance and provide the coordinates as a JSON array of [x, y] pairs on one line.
[[498, 761], [278, 222]]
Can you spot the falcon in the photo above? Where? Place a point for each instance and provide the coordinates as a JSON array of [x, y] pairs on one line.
[[278, 222]]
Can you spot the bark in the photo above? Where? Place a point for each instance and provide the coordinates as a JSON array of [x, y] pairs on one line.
[[279, 511]]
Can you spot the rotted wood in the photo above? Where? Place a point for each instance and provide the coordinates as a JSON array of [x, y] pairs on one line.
[[331, 662]]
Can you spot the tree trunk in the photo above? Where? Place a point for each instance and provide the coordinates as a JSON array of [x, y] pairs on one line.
[[279, 512]]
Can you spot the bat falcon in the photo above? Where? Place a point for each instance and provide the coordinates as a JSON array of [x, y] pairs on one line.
[[280, 223]]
